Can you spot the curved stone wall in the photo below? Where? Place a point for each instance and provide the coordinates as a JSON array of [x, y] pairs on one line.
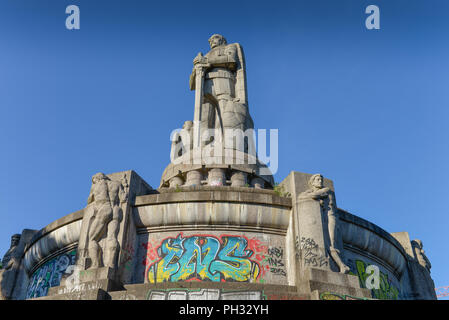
[[370, 239], [226, 206], [242, 235], [367, 244], [234, 234], [58, 237]]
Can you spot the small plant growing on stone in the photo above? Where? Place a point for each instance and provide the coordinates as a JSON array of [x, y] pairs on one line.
[[178, 189], [279, 190]]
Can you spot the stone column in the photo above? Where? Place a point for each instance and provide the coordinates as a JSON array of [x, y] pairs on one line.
[[238, 179], [216, 177], [193, 178]]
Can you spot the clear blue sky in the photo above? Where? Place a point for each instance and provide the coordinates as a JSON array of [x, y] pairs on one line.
[[366, 108]]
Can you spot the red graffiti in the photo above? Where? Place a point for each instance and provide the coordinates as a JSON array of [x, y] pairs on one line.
[[260, 250], [151, 256]]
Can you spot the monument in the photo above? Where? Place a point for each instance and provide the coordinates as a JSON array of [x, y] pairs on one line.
[[217, 227]]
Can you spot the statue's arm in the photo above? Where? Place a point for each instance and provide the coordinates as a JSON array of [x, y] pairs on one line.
[[192, 79], [10, 264], [228, 60], [91, 197], [315, 195]]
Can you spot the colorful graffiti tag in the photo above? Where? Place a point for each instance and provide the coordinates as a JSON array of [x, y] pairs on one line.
[[336, 296], [386, 291], [204, 258], [49, 275]]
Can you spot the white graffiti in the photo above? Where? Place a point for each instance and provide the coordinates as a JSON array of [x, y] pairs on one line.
[[204, 294]]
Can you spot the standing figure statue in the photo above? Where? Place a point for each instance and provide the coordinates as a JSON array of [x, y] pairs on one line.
[[219, 78], [106, 196], [327, 202], [10, 264], [423, 284], [420, 255]]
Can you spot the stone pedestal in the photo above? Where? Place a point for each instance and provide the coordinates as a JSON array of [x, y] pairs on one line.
[[311, 242], [317, 282], [105, 278]]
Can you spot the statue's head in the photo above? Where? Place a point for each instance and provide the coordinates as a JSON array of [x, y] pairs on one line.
[[418, 243], [187, 125], [217, 40], [15, 238], [98, 177], [316, 181]]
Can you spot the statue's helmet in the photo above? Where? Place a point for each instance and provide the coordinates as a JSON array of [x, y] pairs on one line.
[[221, 39]]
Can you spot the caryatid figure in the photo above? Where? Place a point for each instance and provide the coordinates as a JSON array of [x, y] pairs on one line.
[[224, 87], [107, 196], [327, 202]]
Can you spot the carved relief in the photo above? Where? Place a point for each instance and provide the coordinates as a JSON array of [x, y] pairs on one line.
[[326, 198], [105, 213]]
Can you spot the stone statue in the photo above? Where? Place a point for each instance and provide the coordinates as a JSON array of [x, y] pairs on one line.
[[420, 266], [10, 264], [327, 202], [219, 79], [106, 197], [182, 141], [420, 256]]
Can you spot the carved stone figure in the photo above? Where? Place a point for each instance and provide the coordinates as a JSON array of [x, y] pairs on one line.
[[221, 97], [221, 135], [327, 202], [182, 141], [10, 263], [106, 197], [419, 253], [422, 282]]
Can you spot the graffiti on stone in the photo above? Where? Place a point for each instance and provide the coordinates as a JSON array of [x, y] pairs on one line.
[[80, 287], [217, 294], [127, 296], [275, 261], [128, 253], [204, 258], [203, 294], [386, 290], [308, 251], [49, 275], [336, 296], [151, 256]]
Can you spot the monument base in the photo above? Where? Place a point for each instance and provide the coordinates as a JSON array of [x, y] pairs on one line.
[[317, 282], [105, 279], [92, 294]]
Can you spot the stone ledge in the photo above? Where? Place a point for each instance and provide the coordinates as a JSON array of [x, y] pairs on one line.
[[312, 279], [215, 194], [70, 218], [91, 294], [270, 292]]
